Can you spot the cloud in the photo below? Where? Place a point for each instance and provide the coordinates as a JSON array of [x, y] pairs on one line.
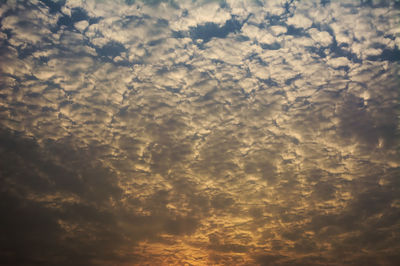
[[207, 132]]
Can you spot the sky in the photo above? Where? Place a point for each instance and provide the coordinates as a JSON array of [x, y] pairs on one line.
[[180, 132]]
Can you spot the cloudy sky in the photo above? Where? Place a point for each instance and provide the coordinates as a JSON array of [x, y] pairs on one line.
[[199, 132]]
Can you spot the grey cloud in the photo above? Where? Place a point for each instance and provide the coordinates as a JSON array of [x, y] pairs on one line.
[[33, 173], [324, 191], [81, 226], [266, 260]]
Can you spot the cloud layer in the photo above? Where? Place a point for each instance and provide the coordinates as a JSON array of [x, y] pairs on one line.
[[199, 133]]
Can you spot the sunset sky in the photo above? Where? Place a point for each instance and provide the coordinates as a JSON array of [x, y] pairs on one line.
[[182, 132]]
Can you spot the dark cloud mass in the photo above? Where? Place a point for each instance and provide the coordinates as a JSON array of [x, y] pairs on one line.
[[199, 132]]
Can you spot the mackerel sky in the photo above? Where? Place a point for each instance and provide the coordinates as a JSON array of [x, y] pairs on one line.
[[203, 132]]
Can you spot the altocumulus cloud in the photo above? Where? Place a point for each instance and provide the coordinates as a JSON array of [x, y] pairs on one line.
[[199, 132]]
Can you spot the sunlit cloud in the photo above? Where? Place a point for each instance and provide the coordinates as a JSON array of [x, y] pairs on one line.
[[199, 133]]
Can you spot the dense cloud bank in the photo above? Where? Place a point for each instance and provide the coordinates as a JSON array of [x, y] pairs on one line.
[[199, 132]]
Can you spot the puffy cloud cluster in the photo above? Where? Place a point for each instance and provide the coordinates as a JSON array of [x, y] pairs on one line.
[[205, 132]]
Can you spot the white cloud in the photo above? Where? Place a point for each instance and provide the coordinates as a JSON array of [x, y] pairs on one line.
[[81, 25], [200, 14], [321, 37], [338, 62], [277, 30], [300, 21]]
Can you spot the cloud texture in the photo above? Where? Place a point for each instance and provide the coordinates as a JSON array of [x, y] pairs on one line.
[[199, 132]]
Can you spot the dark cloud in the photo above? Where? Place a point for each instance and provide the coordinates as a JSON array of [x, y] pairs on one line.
[[44, 201], [266, 260], [63, 214]]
